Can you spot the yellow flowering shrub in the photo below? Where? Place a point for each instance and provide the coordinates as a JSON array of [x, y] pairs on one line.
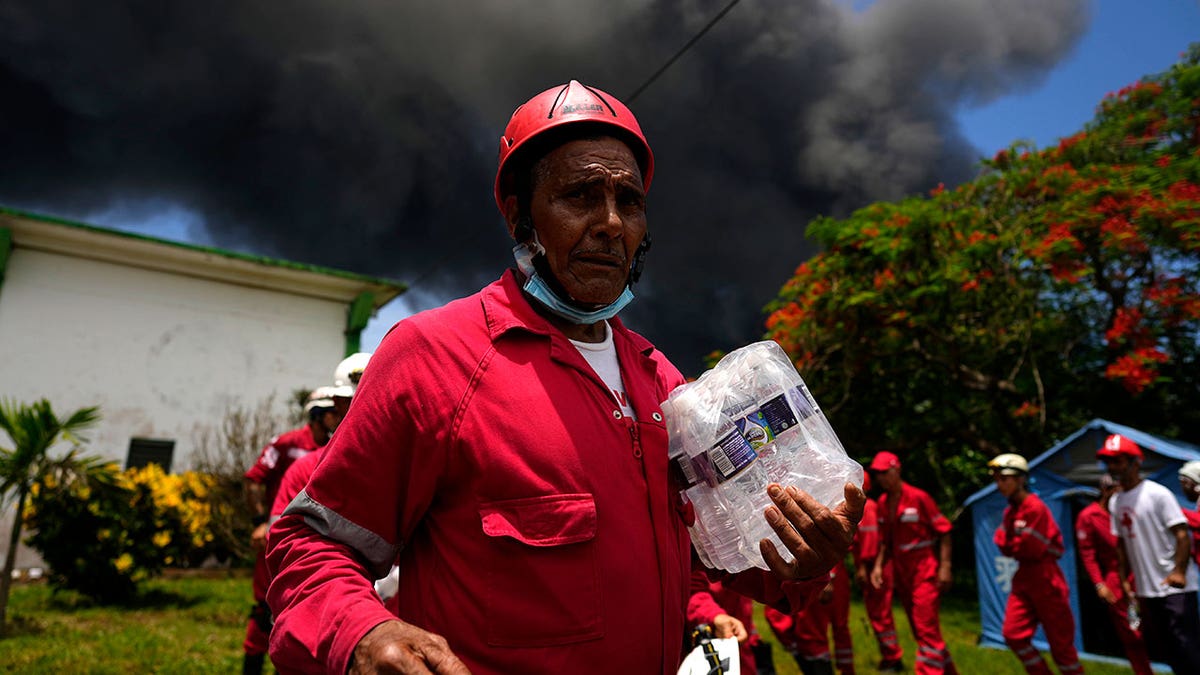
[[102, 535]]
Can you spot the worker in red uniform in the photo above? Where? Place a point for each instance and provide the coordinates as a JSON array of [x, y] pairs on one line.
[[729, 613], [508, 451], [1039, 594], [916, 538], [1189, 483], [262, 483], [877, 601], [805, 633], [1097, 547]]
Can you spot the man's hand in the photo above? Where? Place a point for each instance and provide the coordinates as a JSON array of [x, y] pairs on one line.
[[258, 538], [817, 537], [1106, 594], [398, 647], [945, 578], [1175, 579], [826, 595], [862, 575], [726, 626], [877, 577]]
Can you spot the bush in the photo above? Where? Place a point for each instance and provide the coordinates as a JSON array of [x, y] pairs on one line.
[[102, 534], [225, 450]]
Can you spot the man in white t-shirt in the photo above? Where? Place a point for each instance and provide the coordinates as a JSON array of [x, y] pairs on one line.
[[1154, 542]]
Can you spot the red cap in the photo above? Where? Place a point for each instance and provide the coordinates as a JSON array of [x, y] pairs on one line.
[[1119, 445], [884, 461]]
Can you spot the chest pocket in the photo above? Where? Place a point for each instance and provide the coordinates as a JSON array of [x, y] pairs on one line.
[[542, 575]]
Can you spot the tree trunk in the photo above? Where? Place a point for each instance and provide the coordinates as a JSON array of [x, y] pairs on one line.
[[10, 560]]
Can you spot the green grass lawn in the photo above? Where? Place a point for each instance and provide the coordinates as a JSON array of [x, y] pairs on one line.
[[195, 624], [188, 624]]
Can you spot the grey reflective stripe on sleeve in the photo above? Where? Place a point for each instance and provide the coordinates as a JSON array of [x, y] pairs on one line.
[[379, 554], [1054, 550]]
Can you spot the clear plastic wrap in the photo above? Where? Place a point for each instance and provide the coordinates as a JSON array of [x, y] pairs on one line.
[[748, 422]]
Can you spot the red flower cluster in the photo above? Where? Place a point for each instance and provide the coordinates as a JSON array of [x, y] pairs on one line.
[[1127, 325], [1027, 409]]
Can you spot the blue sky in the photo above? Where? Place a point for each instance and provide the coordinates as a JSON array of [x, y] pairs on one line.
[[1127, 39]]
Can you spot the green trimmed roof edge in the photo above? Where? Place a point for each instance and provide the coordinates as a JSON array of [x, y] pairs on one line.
[[399, 286]]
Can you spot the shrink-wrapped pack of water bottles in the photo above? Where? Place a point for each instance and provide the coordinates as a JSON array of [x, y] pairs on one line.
[[748, 422]]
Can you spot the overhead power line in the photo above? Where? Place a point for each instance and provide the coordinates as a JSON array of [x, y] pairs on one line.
[[454, 251], [695, 38]]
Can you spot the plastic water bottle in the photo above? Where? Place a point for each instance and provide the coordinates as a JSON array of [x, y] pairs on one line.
[[746, 423], [715, 536], [1135, 620]]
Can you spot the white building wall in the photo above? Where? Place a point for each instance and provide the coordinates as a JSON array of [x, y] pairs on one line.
[[160, 353]]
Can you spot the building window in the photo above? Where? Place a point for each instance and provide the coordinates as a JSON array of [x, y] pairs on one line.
[[143, 451]]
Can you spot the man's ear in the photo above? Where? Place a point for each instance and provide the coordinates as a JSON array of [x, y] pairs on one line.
[[512, 215]]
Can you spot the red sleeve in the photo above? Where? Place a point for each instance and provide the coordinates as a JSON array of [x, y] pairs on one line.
[[866, 542], [702, 607], [939, 523], [765, 587], [1032, 541], [782, 626], [1193, 521], [1086, 539], [293, 481], [323, 599], [260, 471], [322, 595]]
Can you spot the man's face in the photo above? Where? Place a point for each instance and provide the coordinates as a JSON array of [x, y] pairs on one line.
[[589, 211], [331, 420], [1008, 484], [1119, 466], [888, 479], [1190, 489]]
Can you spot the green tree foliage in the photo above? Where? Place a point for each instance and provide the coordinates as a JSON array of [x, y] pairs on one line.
[[33, 429], [1059, 285], [102, 533]]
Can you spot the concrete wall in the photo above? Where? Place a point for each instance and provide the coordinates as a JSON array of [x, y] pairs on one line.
[[159, 353]]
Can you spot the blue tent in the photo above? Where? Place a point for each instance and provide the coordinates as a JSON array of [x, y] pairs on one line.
[[1065, 477]]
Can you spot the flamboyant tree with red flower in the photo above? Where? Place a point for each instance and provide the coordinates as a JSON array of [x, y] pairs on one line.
[[1061, 284]]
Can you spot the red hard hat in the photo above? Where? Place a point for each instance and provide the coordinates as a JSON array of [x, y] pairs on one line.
[[883, 461], [1117, 444], [566, 104]]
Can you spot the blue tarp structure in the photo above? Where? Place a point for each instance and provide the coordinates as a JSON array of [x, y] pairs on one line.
[[1065, 477]]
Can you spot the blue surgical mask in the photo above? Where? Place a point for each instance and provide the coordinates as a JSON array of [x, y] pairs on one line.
[[536, 287]]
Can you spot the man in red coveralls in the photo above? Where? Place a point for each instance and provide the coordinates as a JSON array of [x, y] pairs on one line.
[[1039, 594], [508, 452], [1098, 551], [730, 614], [877, 601], [1189, 482], [805, 633], [262, 482], [916, 538]]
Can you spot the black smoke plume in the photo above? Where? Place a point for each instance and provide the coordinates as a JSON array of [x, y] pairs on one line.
[[362, 134]]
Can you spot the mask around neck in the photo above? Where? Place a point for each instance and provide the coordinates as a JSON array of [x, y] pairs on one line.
[[537, 289]]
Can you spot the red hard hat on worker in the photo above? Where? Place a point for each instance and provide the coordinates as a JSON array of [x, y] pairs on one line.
[[570, 104], [883, 461], [1117, 444]]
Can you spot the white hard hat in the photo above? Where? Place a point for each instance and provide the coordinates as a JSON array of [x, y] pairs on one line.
[[321, 397], [1191, 470], [1008, 464], [348, 372]]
